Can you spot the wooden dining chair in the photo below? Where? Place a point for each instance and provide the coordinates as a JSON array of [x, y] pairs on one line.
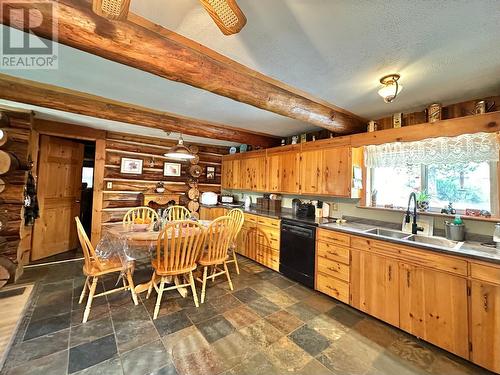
[[95, 267], [218, 237], [177, 250], [144, 213], [237, 217], [174, 213]]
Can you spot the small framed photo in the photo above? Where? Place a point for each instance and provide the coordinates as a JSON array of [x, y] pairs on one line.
[[210, 173], [172, 169], [131, 166]]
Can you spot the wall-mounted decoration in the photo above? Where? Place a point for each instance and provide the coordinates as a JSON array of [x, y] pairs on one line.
[[131, 166], [171, 169], [210, 173], [195, 171]]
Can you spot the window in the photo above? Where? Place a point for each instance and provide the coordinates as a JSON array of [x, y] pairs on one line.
[[467, 185], [88, 176]]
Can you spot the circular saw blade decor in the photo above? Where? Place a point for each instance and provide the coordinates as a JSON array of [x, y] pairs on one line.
[[193, 193]]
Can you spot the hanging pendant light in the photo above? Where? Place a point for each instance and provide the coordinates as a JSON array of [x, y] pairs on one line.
[[179, 151]]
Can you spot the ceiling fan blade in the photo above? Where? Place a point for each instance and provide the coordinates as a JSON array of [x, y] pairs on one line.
[[111, 9], [226, 14]]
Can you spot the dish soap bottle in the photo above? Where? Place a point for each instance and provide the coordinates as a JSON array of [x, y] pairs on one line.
[[457, 220]]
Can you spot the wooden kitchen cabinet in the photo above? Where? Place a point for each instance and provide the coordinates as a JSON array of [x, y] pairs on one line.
[[231, 176], [283, 169], [311, 165], [375, 285], [212, 213], [485, 324], [434, 307], [253, 172]]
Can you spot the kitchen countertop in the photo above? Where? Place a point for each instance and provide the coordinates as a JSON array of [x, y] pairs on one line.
[[469, 249]]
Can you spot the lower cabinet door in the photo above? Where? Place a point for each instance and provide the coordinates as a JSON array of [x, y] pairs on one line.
[[485, 325], [375, 286], [434, 307]]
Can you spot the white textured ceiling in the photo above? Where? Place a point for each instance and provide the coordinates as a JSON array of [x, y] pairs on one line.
[[336, 50]]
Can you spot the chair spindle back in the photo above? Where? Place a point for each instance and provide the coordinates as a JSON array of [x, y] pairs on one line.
[[89, 254], [174, 213], [179, 245], [218, 239], [144, 213]]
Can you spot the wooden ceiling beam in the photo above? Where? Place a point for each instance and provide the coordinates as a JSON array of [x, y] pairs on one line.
[[49, 96], [150, 51]]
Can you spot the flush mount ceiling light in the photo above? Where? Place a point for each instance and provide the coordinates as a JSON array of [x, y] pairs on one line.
[[391, 87], [179, 151]]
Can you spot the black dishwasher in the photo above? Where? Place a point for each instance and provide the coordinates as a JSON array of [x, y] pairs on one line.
[[297, 251]]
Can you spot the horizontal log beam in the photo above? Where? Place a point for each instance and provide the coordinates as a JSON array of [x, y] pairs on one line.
[[138, 47], [49, 96]]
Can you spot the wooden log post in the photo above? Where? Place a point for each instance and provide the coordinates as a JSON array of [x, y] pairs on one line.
[[8, 162], [4, 120], [12, 194], [2, 185], [4, 138]]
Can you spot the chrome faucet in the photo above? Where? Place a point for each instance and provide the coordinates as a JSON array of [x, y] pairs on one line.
[[414, 227]]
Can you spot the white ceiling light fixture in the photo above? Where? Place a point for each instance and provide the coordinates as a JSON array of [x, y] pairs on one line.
[[391, 87], [179, 151]]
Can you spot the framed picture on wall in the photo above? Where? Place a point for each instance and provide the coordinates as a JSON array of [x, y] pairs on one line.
[[171, 169], [131, 166], [210, 173]]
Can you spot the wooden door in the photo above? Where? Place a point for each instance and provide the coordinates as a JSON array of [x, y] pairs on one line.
[[485, 325], [337, 171], [290, 175], [311, 172], [375, 285], [59, 188], [273, 180], [434, 307]]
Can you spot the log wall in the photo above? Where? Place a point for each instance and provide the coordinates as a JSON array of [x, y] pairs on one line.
[[15, 237], [126, 189]]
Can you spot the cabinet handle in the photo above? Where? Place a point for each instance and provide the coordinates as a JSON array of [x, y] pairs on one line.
[[332, 269], [408, 278], [332, 253], [390, 273], [485, 302], [332, 288]]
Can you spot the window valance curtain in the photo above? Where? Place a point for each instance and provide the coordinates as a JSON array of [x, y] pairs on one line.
[[478, 147]]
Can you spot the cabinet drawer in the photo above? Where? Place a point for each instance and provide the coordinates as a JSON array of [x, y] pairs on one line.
[[268, 257], [333, 287], [334, 237], [251, 218], [427, 258], [485, 273], [333, 268], [333, 252], [270, 222]]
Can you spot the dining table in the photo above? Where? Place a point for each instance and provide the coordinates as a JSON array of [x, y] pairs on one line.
[[130, 242]]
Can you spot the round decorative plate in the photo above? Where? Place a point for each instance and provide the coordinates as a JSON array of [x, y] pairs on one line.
[[195, 171], [194, 160], [193, 193]]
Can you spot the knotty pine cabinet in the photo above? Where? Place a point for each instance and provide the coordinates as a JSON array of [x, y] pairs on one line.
[[450, 301], [212, 213], [259, 240], [484, 307], [375, 286], [434, 307], [313, 168]]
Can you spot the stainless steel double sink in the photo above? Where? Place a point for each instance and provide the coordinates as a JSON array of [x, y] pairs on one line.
[[416, 238]]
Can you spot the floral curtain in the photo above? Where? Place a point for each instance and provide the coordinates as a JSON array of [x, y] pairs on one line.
[[478, 147]]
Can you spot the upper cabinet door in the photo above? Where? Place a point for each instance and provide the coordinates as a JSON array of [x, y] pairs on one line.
[[290, 172], [433, 306], [485, 325], [226, 174], [273, 175], [337, 171], [311, 172], [260, 174], [236, 175]]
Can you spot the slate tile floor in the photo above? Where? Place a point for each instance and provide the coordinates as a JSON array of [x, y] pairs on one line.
[[268, 325]]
